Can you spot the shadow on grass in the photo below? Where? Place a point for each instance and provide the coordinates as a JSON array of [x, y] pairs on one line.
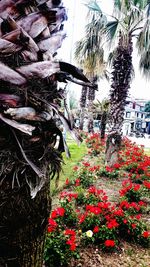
[[77, 153]]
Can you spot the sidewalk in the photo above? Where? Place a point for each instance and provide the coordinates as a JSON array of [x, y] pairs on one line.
[[141, 141]]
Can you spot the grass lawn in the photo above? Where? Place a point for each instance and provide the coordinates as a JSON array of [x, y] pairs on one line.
[[77, 153], [147, 151]]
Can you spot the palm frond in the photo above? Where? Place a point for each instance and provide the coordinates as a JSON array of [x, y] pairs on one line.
[[144, 64], [111, 29], [143, 39], [93, 5]]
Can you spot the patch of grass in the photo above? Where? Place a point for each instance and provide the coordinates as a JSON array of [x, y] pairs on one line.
[[77, 153], [147, 151]]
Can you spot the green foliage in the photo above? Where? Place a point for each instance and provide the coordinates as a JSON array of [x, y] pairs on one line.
[[147, 107]]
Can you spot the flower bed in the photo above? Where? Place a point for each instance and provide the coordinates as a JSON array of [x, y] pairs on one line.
[[85, 215]]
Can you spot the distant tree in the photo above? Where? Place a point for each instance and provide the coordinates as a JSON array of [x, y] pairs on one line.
[[130, 20], [102, 108], [147, 107], [90, 56]]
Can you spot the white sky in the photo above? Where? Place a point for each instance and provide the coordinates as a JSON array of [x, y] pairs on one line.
[[140, 88]]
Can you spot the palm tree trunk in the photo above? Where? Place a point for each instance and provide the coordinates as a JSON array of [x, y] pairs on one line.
[[23, 226], [121, 77], [103, 124], [82, 106], [91, 98], [90, 117]]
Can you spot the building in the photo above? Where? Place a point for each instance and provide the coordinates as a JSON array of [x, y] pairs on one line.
[[135, 118]]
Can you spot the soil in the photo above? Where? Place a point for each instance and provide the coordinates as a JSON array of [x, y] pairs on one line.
[[128, 256]]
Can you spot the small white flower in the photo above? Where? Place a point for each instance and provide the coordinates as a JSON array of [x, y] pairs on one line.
[[89, 233]]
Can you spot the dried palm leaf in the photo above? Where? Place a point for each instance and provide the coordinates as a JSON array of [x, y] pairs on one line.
[[25, 128]]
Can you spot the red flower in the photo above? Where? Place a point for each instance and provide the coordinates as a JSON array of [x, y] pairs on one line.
[[86, 164], [69, 232], [112, 224], [146, 184], [136, 187], [73, 247], [133, 225], [109, 243], [67, 181], [96, 229], [119, 212], [52, 225], [50, 229], [75, 168], [52, 222], [77, 182], [58, 212], [146, 234], [116, 166]]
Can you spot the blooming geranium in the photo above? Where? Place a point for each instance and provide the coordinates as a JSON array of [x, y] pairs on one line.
[[109, 243], [69, 232], [146, 184], [112, 224], [51, 225], [77, 182], [96, 229], [58, 212], [146, 234]]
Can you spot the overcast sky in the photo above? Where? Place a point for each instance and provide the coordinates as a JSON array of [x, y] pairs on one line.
[[140, 88]]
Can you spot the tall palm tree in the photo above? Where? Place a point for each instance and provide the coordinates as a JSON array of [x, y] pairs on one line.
[[30, 34], [130, 20], [90, 56]]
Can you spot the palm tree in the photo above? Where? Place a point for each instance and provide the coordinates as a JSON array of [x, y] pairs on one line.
[[102, 108], [130, 20], [90, 56], [30, 34]]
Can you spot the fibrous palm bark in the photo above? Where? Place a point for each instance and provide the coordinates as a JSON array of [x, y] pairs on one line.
[[30, 154], [103, 124], [83, 100], [121, 77]]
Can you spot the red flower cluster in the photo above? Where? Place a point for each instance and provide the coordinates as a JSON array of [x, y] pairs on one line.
[[72, 239], [58, 212], [112, 224], [146, 234], [146, 184], [127, 186], [51, 225], [68, 195], [109, 243]]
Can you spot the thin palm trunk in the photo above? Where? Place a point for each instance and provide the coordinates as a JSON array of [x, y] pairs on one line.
[[91, 98], [121, 77], [82, 106], [103, 124]]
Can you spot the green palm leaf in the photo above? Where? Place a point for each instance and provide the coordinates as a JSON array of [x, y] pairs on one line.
[[111, 29], [94, 6]]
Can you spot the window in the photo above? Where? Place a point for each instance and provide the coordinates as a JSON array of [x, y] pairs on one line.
[[128, 114]]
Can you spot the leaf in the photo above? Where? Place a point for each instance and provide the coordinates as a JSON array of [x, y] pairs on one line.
[[9, 75], [94, 6], [25, 128], [117, 4], [111, 29]]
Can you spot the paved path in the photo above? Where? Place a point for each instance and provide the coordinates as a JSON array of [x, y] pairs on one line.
[[141, 141]]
